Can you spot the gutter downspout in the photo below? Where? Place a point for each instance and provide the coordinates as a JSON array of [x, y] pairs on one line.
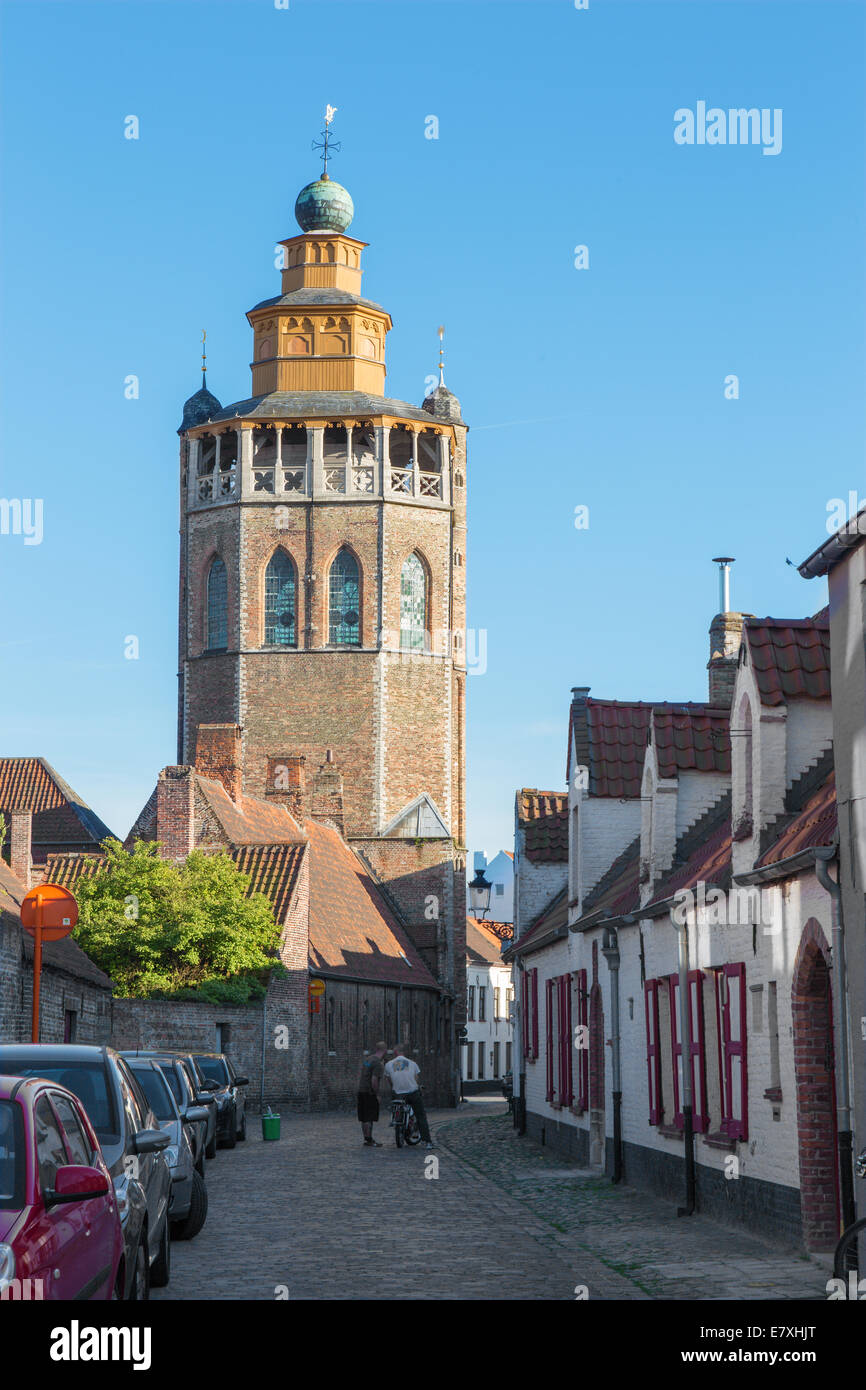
[[610, 951], [686, 1053], [843, 1106]]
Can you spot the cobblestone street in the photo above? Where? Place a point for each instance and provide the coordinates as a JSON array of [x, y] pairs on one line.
[[318, 1216]]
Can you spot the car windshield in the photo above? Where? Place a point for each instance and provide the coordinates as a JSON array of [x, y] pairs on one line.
[[155, 1087], [87, 1079], [213, 1069], [12, 1160]]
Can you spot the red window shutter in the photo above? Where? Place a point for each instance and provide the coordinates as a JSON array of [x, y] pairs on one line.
[[676, 1048], [700, 1106], [718, 992], [565, 1072], [526, 990], [736, 1120], [550, 1038], [653, 1052], [583, 1050], [535, 1013]]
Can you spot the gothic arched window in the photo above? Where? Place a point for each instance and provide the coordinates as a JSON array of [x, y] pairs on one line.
[[280, 601], [344, 615], [413, 605], [217, 607]]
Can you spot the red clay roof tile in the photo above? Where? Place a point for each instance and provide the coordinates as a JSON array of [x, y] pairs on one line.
[[543, 816], [790, 657]]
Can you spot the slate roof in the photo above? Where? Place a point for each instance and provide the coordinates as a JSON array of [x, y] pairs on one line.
[[790, 657], [352, 930], [309, 295], [285, 405], [65, 955], [60, 816], [543, 816]]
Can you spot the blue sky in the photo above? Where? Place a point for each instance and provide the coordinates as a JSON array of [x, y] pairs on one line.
[[601, 387]]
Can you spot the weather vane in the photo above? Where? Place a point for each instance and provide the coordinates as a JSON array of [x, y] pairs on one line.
[[441, 355], [203, 358], [326, 144]]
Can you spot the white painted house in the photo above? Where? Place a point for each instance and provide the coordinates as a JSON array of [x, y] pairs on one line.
[[487, 1056]]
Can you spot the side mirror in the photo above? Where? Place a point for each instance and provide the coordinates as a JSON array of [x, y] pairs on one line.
[[76, 1182], [242, 1081], [194, 1114], [150, 1141], [203, 1099]]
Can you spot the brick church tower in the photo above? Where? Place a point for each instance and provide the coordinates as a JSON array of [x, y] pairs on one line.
[[322, 585]]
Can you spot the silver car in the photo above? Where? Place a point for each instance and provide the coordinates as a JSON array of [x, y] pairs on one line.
[[188, 1207]]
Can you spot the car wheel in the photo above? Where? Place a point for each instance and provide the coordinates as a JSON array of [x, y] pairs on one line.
[[231, 1130], [139, 1289], [192, 1224], [161, 1271]]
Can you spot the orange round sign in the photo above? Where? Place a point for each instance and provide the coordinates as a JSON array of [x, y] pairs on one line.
[[59, 911], [317, 987]]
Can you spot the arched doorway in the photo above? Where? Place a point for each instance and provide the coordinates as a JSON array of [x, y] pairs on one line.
[[814, 1069]]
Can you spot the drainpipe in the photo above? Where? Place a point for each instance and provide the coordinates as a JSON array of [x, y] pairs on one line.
[[610, 951], [843, 1080], [686, 1046], [264, 1034]]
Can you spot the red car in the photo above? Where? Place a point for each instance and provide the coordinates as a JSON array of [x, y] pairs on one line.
[[60, 1233]]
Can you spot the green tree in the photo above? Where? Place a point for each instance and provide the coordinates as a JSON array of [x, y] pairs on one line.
[[161, 928]]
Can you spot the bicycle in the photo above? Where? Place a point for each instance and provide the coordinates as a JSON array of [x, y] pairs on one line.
[[845, 1256], [404, 1123]]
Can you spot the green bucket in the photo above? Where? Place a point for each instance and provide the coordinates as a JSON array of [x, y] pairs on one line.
[[270, 1125]]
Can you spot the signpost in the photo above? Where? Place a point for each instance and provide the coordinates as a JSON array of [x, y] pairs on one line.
[[48, 913], [317, 989]]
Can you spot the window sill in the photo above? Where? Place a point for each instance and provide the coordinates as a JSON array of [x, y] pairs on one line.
[[670, 1131], [719, 1141]]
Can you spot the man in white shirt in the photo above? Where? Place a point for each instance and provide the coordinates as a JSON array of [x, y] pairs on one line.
[[404, 1075]]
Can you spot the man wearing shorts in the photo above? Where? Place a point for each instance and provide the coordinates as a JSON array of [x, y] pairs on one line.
[[372, 1071]]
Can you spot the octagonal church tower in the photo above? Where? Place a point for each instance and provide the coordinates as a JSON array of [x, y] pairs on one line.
[[322, 584]]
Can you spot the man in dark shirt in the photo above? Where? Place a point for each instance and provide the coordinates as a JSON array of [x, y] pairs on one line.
[[372, 1071]]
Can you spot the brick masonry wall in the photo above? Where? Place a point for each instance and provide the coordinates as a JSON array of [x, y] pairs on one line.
[[184, 1026], [59, 993]]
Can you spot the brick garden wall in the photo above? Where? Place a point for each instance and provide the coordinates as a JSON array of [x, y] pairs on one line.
[[182, 1026], [60, 993]]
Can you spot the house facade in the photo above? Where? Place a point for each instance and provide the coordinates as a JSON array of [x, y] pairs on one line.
[[487, 1054], [676, 997]]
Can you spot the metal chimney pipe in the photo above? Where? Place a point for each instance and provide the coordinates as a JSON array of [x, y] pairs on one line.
[[724, 563]]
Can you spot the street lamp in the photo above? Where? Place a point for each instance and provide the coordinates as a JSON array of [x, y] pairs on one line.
[[479, 894]]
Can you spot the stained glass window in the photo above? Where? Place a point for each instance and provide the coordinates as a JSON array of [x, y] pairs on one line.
[[344, 618], [217, 607], [413, 605], [280, 601]]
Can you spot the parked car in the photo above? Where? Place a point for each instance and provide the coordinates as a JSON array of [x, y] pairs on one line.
[[131, 1141], [187, 1086], [188, 1206], [230, 1097], [59, 1224]]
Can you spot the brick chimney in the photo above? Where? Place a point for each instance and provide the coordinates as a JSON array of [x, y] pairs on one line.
[[174, 812], [726, 633], [287, 782], [218, 756], [21, 834]]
